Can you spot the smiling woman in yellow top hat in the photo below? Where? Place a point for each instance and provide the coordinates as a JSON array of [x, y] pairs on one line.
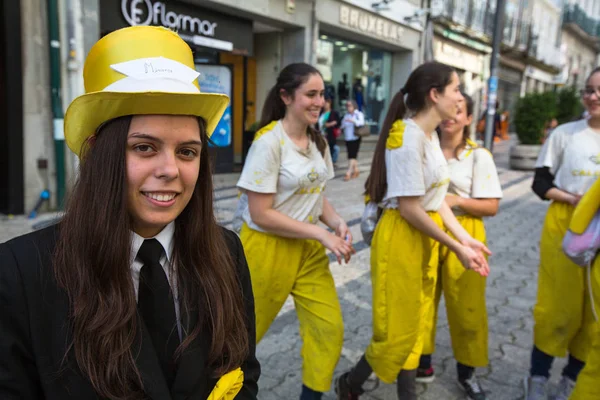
[[136, 293]]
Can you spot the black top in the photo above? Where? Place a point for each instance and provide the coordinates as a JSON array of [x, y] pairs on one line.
[[34, 333], [542, 182]]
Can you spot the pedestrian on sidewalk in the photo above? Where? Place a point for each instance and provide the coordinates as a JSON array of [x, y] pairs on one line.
[[285, 175], [136, 293], [409, 178], [353, 119], [329, 126], [566, 168], [587, 387], [474, 193]]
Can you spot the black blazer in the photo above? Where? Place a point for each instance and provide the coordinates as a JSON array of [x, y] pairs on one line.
[[34, 333]]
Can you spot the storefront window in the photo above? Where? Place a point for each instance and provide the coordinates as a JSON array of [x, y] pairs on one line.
[[354, 71]]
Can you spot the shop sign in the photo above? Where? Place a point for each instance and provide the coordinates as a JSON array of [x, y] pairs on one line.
[[195, 25], [370, 24], [144, 12], [541, 76], [446, 53]]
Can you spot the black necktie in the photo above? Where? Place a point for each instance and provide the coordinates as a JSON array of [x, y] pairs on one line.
[[157, 307]]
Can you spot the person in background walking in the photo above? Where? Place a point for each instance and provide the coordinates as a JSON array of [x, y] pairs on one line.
[[409, 178], [329, 126], [474, 192], [353, 119], [285, 175], [136, 293], [566, 168]]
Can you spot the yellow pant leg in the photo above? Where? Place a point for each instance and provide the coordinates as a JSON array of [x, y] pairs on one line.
[[400, 257], [431, 329], [429, 301], [464, 292], [320, 317], [588, 381], [273, 262], [561, 323]]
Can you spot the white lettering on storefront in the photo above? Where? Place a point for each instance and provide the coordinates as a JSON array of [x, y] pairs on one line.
[[157, 14], [370, 24]]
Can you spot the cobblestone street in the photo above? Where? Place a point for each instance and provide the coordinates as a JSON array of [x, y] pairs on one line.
[[513, 238]]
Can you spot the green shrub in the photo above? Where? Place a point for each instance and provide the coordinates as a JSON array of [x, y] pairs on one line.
[[569, 105], [532, 113]]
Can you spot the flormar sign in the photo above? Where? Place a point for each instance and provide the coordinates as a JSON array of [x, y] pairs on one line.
[[144, 12], [370, 24]]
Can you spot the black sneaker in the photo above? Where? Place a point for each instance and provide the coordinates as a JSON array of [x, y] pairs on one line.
[[472, 388], [342, 388], [425, 375]]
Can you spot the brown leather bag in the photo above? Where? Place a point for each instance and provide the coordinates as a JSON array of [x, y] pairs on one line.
[[363, 130]]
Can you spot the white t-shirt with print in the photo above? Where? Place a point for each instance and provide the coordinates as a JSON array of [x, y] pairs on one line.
[[473, 175], [572, 152], [416, 168], [297, 177]]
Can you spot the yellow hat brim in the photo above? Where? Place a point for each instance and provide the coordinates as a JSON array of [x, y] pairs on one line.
[[87, 112]]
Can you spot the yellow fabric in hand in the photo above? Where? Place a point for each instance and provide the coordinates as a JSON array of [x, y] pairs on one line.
[[228, 386]]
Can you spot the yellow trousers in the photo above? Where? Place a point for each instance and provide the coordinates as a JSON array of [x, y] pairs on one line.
[[588, 381], [403, 273], [563, 315], [280, 267], [464, 293]]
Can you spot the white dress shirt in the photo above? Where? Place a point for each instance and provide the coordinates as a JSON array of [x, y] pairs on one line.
[[165, 238]]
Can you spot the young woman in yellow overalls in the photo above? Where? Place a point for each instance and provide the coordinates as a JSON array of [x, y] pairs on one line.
[[474, 192], [409, 178], [587, 387], [285, 175], [567, 166]]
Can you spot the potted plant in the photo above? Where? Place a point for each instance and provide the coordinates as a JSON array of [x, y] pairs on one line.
[[569, 105], [532, 113]]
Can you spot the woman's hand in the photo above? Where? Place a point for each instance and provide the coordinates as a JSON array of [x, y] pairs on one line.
[[330, 124], [342, 231], [477, 246], [472, 259], [338, 246], [573, 199]]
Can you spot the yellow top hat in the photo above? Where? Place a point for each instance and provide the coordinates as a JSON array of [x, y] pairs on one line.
[[139, 70]]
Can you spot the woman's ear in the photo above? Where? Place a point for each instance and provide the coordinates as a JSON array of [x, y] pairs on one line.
[[434, 96], [470, 119], [285, 97]]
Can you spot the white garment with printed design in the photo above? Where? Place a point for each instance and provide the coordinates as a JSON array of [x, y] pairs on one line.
[[297, 177], [417, 168], [474, 175], [572, 152]]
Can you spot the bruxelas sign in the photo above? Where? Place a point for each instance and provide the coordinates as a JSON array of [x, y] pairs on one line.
[[370, 24]]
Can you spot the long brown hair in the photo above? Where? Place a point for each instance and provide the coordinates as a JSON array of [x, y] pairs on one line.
[[92, 264], [431, 75], [289, 80], [467, 129]]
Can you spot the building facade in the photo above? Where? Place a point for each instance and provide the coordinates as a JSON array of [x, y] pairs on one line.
[[580, 40], [239, 49]]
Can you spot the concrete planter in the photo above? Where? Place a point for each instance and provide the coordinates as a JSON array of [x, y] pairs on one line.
[[524, 156]]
